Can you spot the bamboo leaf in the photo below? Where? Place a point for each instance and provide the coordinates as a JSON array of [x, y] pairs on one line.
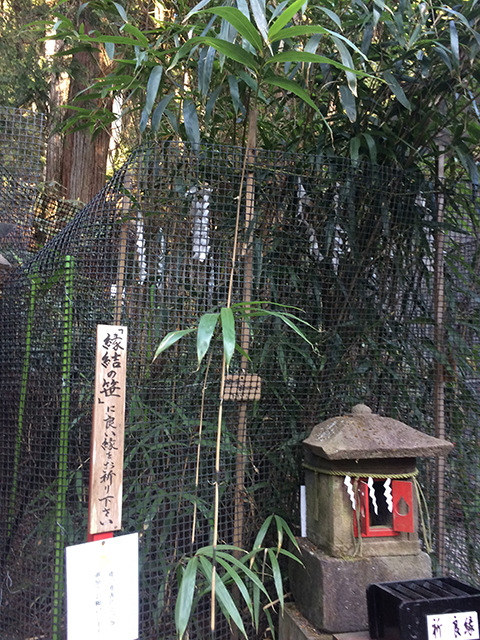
[[205, 67], [221, 594], [348, 62], [170, 339], [348, 102], [70, 52], [454, 45], [256, 606], [158, 113], [211, 102], [134, 31], [372, 147], [152, 86], [172, 119], [183, 606], [110, 50], [293, 87], [277, 576], [226, 599], [367, 38], [198, 7], [286, 319], [285, 18], [121, 11], [209, 549], [114, 39], [396, 89], [241, 23], [241, 564], [242, 352], [233, 84], [440, 50], [228, 332], [464, 21], [303, 56], [261, 534], [277, 11], [354, 148], [469, 164], [312, 44], [271, 625], [190, 118], [206, 327], [81, 8], [258, 10], [242, 5], [288, 554], [229, 49], [143, 121], [332, 15], [282, 524], [306, 30], [238, 582]]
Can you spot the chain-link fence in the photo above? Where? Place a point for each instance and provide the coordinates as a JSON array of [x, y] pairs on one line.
[[348, 248]]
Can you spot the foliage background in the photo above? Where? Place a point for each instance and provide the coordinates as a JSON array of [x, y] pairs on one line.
[[394, 83]]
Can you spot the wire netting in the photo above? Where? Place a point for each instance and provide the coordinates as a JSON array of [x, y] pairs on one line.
[[30, 216], [22, 144], [348, 248]]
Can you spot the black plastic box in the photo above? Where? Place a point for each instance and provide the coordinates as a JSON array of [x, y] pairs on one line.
[[399, 610]]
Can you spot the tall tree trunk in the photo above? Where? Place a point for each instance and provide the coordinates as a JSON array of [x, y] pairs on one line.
[[84, 160], [59, 89]]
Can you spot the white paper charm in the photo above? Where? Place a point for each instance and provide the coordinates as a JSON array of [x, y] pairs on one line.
[[387, 485], [373, 497], [348, 483]]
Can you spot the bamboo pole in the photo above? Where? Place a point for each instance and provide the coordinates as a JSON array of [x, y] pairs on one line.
[[239, 507], [439, 385]]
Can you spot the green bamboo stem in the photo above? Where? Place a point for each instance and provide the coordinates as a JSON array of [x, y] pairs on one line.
[[63, 452], [21, 406]]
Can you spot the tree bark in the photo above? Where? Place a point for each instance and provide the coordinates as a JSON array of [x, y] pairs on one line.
[[59, 89], [84, 161]]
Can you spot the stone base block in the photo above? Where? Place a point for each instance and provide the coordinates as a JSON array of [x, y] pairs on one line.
[[331, 592], [294, 626]]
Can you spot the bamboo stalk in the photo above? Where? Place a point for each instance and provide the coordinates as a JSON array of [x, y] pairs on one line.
[[63, 452], [239, 510], [249, 155], [22, 404], [439, 385]]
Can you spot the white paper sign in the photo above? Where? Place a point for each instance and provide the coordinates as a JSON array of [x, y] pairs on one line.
[[102, 589], [453, 626]]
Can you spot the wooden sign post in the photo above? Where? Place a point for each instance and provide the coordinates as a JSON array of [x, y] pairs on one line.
[[108, 423]]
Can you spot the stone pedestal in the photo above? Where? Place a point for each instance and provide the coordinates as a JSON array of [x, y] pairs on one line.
[[330, 592], [294, 626]]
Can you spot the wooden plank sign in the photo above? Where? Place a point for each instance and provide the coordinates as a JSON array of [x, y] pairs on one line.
[[108, 424]]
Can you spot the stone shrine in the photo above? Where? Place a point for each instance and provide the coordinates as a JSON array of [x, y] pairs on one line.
[[362, 521]]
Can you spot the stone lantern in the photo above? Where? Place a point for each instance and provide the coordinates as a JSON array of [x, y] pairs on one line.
[[362, 517]]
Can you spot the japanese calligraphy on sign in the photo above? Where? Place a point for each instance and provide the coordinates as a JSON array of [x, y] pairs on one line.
[[102, 589], [106, 472], [453, 626]]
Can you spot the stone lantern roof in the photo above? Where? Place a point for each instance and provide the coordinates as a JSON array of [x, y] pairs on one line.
[[364, 435]]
